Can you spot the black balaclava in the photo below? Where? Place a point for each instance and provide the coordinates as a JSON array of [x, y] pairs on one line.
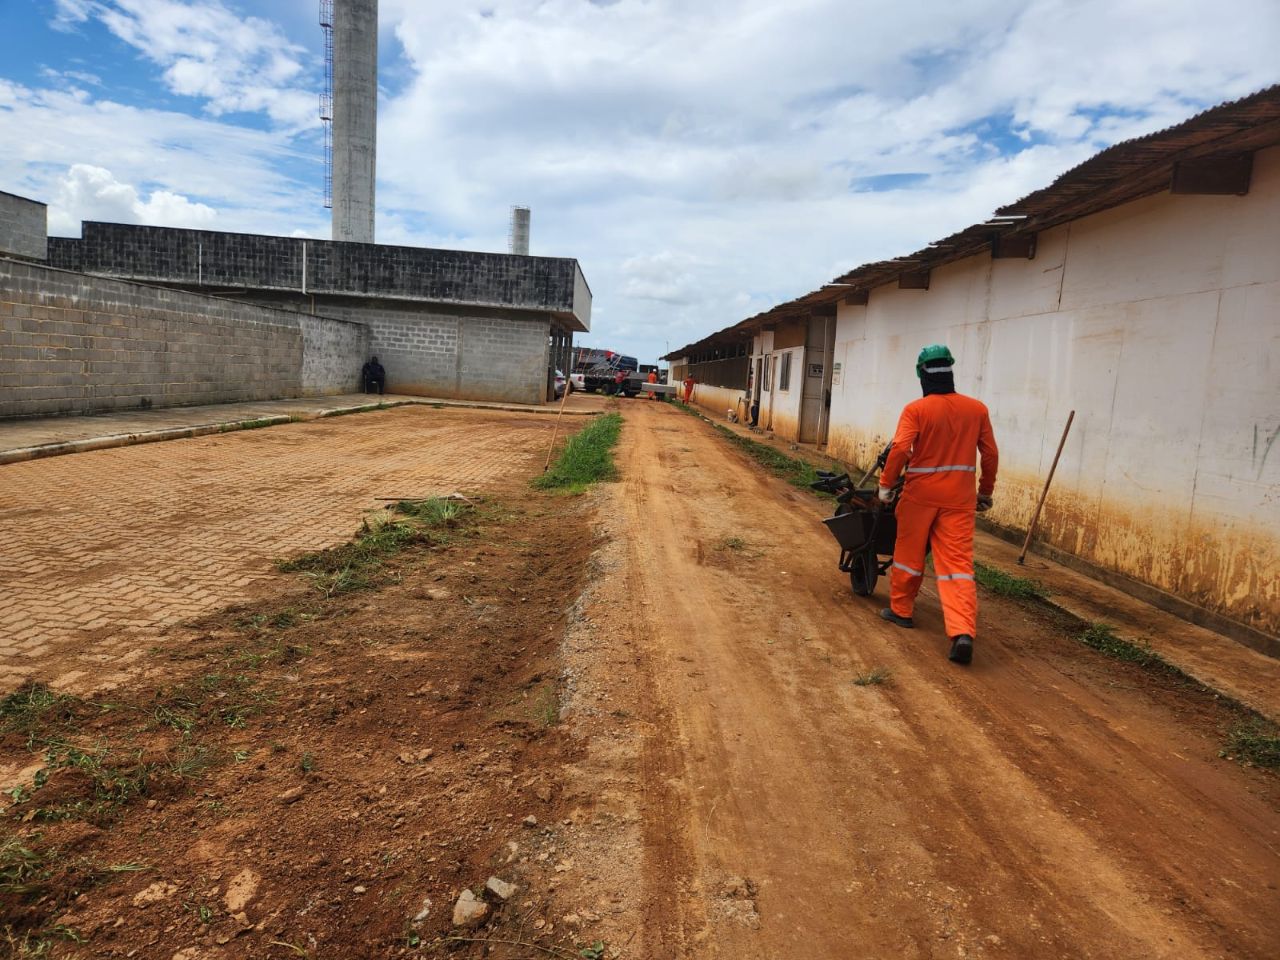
[[943, 382]]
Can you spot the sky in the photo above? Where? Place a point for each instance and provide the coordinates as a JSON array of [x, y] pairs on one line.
[[704, 160]]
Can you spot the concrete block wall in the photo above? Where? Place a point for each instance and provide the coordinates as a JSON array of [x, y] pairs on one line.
[[23, 227], [333, 352], [71, 343], [454, 354], [233, 261]]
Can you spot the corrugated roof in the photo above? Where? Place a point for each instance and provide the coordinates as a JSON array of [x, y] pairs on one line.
[[1120, 174]]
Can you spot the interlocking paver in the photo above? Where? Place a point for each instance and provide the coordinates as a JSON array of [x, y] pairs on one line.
[[101, 549]]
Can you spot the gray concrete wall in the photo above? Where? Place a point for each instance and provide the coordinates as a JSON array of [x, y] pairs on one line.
[[24, 227], [333, 352], [355, 118], [70, 343], [238, 264], [453, 354]]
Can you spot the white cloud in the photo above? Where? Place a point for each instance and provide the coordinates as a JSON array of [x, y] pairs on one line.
[[232, 170], [704, 160], [95, 194], [235, 63]]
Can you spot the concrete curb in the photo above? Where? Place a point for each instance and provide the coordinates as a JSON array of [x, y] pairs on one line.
[[41, 451]]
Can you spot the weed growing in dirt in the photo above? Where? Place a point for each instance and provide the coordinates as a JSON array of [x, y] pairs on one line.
[[34, 707], [1103, 638], [732, 543], [22, 869], [875, 677], [434, 511], [586, 459], [38, 944], [354, 565], [1008, 585], [1254, 742]]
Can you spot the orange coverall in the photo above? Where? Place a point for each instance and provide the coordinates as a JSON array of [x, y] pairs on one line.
[[940, 434], [653, 378]]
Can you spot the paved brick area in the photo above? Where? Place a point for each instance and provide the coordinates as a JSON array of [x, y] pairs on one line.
[[102, 549]]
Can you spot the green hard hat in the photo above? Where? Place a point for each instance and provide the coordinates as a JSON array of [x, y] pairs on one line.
[[934, 353]]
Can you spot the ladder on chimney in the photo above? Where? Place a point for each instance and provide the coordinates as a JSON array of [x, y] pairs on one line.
[[326, 99]]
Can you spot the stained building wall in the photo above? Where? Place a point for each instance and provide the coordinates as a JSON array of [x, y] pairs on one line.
[[1156, 322]]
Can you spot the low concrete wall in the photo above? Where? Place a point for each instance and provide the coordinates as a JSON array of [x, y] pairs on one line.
[[717, 401], [23, 227], [333, 352], [71, 343]]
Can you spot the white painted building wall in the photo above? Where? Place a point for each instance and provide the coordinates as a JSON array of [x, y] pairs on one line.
[[1159, 323], [779, 408]]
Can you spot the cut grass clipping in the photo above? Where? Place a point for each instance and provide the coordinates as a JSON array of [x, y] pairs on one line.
[[586, 459], [354, 565]]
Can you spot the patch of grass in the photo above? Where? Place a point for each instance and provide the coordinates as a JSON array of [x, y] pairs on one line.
[[349, 566], [34, 707], [1007, 585], [307, 763], [1254, 742], [797, 472], [1103, 638], [732, 543], [586, 459], [875, 677], [23, 868], [433, 512]]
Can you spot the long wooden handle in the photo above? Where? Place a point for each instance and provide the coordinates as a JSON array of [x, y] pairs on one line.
[[563, 397], [1035, 517]]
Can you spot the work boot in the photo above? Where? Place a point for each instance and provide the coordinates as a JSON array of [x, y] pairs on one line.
[[905, 622], [961, 649]]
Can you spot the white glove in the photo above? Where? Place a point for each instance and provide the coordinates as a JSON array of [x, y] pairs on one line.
[[984, 503], [886, 494]]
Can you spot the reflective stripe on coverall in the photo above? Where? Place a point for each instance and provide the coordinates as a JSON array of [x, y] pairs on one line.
[[941, 434]]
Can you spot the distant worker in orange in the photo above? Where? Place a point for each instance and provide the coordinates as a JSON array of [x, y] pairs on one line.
[[688, 388], [938, 441], [653, 378]]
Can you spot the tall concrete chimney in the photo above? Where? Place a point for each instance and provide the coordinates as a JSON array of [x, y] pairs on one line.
[[355, 117], [518, 238]]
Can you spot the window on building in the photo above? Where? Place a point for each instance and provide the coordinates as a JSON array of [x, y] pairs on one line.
[[784, 375], [764, 376]]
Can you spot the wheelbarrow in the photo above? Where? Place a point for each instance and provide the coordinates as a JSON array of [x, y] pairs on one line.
[[863, 525]]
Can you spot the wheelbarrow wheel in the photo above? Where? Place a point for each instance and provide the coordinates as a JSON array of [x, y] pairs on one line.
[[864, 573]]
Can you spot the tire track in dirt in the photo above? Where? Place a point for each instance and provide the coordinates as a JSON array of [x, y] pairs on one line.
[[1039, 804]]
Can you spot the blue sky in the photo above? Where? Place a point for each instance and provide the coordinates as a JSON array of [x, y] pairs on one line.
[[704, 161]]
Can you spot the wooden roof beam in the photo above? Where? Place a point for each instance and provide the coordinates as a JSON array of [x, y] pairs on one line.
[[857, 298], [914, 280]]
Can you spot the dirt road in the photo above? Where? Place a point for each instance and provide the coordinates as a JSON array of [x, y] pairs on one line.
[[1045, 802]]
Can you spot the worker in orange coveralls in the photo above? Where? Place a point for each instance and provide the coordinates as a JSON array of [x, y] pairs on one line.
[[653, 378], [688, 388], [938, 439]]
